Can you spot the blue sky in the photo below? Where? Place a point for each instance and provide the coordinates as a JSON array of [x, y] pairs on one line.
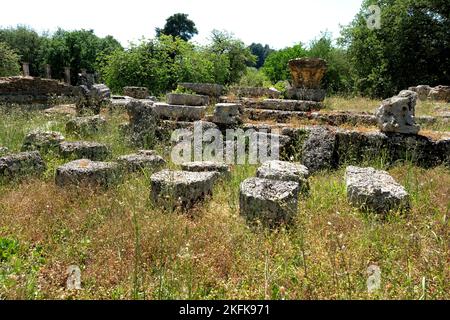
[[279, 23]]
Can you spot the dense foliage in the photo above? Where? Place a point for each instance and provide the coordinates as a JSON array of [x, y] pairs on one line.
[[412, 46], [160, 64], [9, 61], [178, 25]]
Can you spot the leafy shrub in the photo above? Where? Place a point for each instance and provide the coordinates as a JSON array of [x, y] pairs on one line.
[[9, 61]]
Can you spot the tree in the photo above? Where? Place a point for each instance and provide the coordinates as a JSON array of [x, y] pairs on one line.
[[412, 46], [178, 25], [79, 49], [9, 61], [238, 55], [276, 64], [261, 52], [26, 43]]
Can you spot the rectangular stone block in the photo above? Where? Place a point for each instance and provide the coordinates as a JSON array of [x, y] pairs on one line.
[[181, 188], [18, 165], [374, 190], [271, 202], [183, 113]]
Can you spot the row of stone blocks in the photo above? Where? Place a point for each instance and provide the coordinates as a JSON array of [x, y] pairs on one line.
[[81, 171]]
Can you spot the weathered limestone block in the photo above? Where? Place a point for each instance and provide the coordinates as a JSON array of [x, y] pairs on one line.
[[177, 112], [136, 92], [305, 94], [268, 142], [103, 91], [285, 171], [183, 188], [84, 150], [255, 92], [42, 141], [271, 202], [207, 166], [319, 150], [441, 93], [208, 89], [13, 166], [32, 90], [422, 90], [85, 172], [442, 150], [144, 122], [228, 114], [143, 160], [85, 125], [375, 190], [184, 99], [90, 97], [354, 147], [396, 115], [284, 105], [307, 72]]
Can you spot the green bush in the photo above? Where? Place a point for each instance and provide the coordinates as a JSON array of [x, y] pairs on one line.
[[254, 78], [9, 61]]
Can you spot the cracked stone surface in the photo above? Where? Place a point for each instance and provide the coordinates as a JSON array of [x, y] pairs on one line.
[[206, 166], [285, 171], [181, 187], [374, 190], [87, 172], [85, 125], [272, 202], [397, 114], [143, 159], [319, 150], [228, 114], [184, 99], [180, 112], [13, 166], [42, 141], [84, 150]]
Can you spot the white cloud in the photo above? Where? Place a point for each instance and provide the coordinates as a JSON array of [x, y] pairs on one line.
[[278, 23]]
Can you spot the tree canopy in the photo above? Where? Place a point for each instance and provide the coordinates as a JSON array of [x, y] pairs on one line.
[[412, 46], [178, 25]]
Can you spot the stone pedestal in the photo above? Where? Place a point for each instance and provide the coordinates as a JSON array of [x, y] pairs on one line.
[[26, 69], [307, 73], [48, 71]]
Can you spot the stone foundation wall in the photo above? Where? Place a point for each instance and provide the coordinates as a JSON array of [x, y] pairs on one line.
[[32, 90]]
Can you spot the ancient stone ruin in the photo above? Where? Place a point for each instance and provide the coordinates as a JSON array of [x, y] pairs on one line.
[[19, 165], [269, 202], [307, 74], [27, 90], [85, 172], [396, 115], [181, 188], [438, 93], [142, 160], [375, 190], [136, 92]]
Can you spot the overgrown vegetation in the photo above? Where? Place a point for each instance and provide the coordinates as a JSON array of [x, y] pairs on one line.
[[129, 249]]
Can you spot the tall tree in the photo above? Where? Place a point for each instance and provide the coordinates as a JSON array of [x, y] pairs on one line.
[[178, 25], [239, 56], [411, 47], [261, 52]]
